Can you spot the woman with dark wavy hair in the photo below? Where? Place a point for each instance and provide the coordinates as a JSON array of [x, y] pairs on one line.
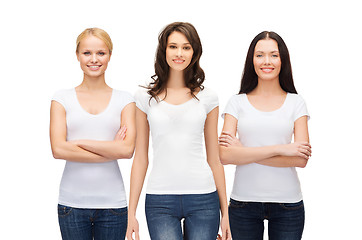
[[186, 189], [265, 115]]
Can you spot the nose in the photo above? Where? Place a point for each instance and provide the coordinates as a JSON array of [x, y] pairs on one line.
[[94, 58], [267, 59], [179, 52]]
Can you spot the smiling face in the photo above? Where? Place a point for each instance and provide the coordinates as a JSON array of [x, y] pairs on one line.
[[93, 55], [267, 63], [179, 51]]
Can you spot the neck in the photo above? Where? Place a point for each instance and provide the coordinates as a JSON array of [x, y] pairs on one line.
[[268, 87], [176, 79], [93, 83]]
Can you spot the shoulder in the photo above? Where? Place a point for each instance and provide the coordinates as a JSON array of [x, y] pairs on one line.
[[123, 94], [295, 99], [141, 94], [208, 98], [237, 100], [207, 94], [63, 95]]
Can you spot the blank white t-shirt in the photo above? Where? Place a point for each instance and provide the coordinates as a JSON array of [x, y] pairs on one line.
[[258, 183], [92, 185], [179, 162]]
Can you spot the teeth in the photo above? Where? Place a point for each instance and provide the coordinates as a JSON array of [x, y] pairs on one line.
[[94, 66], [178, 61]]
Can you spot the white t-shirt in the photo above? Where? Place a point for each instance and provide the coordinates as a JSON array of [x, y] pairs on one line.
[[179, 162], [92, 185], [259, 183]]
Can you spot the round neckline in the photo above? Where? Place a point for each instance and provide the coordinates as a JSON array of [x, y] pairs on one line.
[[267, 112], [94, 115], [181, 104]]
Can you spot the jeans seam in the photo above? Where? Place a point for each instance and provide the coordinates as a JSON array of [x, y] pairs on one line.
[[67, 213], [292, 208]]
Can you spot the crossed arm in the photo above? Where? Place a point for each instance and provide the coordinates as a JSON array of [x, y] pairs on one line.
[[285, 155], [91, 151]]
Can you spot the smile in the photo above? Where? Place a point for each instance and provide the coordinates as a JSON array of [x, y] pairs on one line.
[[94, 67], [178, 61], [267, 70]]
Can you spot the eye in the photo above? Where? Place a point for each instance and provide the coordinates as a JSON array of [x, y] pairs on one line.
[[172, 46], [258, 55], [275, 55], [187, 48], [86, 53], [101, 53]]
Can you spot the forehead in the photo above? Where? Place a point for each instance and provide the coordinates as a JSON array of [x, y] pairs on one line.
[[266, 45], [92, 42], [177, 37]]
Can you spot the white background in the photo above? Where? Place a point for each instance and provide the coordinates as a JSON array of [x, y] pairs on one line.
[[38, 57]]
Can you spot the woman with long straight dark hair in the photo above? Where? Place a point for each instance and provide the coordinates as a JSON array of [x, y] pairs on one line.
[[266, 114], [181, 115]]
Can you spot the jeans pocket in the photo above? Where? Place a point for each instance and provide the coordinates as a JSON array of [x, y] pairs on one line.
[[119, 211], [292, 206], [64, 211], [237, 204]]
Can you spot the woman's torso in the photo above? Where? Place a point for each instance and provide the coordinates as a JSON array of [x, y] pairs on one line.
[[92, 185], [256, 182], [179, 162]]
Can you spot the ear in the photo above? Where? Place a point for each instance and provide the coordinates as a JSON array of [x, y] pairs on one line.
[[77, 53]]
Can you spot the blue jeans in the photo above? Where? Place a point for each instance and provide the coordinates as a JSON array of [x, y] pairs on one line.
[[200, 213], [88, 224], [285, 220]]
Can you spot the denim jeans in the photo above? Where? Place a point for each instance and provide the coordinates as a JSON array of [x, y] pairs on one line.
[[200, 214], [88, 224], [285, 220]]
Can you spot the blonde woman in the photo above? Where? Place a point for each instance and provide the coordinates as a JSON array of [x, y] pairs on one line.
[[91, 126]]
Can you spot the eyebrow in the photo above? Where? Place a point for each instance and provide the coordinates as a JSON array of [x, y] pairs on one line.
[[182, 43], [275, 51]]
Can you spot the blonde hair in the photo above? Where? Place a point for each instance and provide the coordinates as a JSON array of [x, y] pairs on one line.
[[99, 33]]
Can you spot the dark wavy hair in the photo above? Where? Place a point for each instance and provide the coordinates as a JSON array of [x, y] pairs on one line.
[[194, 76], [249, 79]]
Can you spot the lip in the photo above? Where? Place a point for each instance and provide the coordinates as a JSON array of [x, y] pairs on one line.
[[94, 67], [178, 61], [267, 69]]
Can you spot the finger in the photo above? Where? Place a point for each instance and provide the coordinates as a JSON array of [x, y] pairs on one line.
[[226, 133], [137, 235], [222, 139], [223, 144]]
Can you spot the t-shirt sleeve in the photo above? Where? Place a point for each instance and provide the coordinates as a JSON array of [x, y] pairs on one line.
[[212, 100], [59, 96], [126, 98], [142, 99], [300, 109], [231, 108]]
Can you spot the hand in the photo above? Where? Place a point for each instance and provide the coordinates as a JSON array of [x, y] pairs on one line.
[[121, 134], [225, 229], [297, 149], [228, 140], [132, 227]]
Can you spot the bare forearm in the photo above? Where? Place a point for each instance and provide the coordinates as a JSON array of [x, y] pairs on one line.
[[71, 152], [284, 161], [239, 155], [219, 178], [138, 174], [116, 149]]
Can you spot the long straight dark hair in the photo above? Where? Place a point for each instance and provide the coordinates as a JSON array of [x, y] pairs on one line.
[[249, 80], [194, 76]]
